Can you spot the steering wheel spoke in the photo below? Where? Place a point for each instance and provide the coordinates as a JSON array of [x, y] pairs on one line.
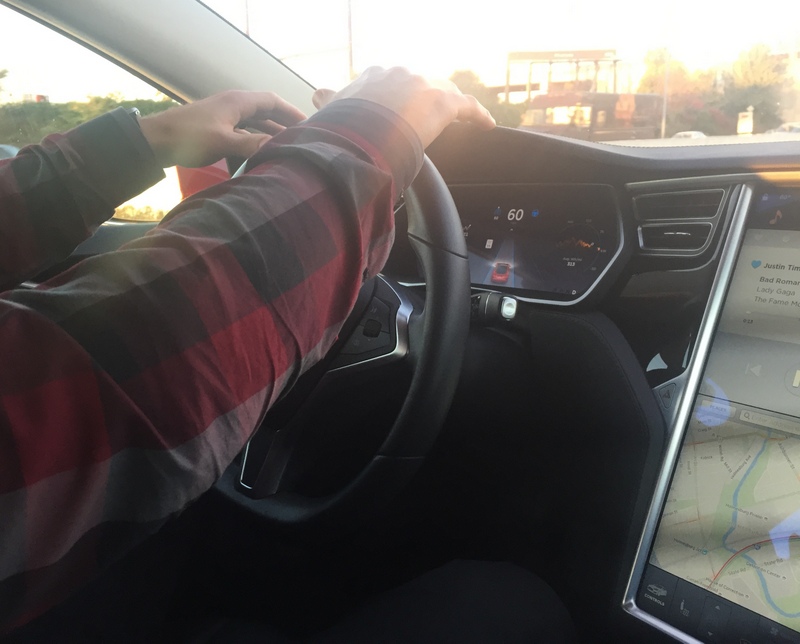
[[381, 335], [391, 334], [377, 339]]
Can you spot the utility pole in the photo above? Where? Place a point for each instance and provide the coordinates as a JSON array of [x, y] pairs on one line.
[[666, 88], [350, 67]]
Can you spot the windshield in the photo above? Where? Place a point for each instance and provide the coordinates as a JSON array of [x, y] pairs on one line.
[[618, 70]]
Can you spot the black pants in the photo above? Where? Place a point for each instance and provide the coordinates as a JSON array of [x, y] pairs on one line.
[[462, 602]]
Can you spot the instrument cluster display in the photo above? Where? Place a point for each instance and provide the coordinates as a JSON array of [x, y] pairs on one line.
[[541, 242]]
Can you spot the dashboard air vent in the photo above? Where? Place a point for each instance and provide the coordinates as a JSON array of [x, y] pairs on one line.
[[678, 236], [697, 204]]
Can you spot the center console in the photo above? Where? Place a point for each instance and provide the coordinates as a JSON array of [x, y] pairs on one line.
[[719, 560]]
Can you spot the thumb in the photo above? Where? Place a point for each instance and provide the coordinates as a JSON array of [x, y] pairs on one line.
[[322, 97], [244, 144]]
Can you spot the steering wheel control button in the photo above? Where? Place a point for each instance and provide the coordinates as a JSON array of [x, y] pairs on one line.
[[360, 343], [372, 328], [508, 308], [379, 312], [376, 333]]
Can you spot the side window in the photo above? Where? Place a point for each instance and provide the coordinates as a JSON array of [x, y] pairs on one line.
[[58, 84]]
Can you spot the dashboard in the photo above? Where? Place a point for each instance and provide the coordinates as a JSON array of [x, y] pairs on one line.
[[694, 256]]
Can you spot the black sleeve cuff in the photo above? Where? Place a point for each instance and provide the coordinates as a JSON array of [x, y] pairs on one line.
[[116, 163]]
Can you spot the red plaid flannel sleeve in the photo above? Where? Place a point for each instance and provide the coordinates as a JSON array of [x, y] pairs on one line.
[[55, 195], [131, 381]]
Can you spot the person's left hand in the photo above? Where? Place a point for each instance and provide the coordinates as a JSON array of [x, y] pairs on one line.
[[201, 133]]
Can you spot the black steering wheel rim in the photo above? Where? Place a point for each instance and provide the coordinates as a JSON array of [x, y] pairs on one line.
[[438, 340]]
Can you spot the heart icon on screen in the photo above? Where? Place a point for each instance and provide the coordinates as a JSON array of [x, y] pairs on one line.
[[756, 263]]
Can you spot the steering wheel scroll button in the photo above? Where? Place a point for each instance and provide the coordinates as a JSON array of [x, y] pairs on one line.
[[372, 328], [378, 311]]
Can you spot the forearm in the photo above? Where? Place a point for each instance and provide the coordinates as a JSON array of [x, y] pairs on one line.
[[162, 358], [54, 195]]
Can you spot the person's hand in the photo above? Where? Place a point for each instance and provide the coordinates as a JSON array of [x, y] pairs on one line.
[[203, 132], [427, 107]]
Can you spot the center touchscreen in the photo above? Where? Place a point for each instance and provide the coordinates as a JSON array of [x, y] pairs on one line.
[[725, 563]]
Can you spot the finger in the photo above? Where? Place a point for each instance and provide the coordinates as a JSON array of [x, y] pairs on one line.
[[243, 144], [377, 70], [322, 97], [266, 126], [266, 105], [470, 110]]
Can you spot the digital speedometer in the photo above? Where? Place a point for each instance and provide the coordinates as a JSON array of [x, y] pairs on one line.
[[542, 242]]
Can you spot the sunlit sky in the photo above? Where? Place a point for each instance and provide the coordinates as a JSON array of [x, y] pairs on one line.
[[439, 37], [429, 36]]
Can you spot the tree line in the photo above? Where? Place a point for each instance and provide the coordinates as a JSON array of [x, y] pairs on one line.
[[708, 100], [24, 123]]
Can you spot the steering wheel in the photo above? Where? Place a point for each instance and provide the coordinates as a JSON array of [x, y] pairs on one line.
[[386, 328]]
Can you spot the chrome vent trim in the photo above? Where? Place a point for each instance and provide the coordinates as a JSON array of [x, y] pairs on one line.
[[679, 223], [675, 236], [683, 206]]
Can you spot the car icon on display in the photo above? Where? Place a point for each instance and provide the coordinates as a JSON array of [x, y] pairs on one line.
[[656, 590], [500, 272]]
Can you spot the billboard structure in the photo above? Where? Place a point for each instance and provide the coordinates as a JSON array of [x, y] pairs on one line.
[[595, 59]]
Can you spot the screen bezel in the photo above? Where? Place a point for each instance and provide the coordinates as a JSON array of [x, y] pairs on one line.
[[461, 191]]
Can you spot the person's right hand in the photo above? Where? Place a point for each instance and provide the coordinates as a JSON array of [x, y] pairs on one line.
[[428, 108]]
